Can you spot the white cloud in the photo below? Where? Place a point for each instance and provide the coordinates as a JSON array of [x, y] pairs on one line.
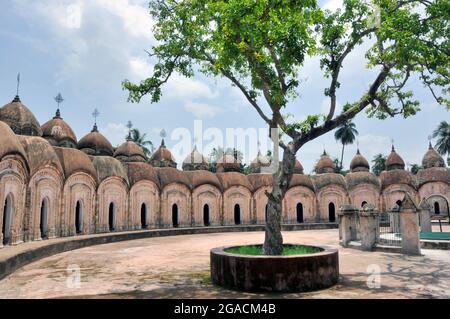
[[371, 145], [201, 110], [136, 18], [180, 87], [333, 5], [140, 68], [325, 107], [115, 133]]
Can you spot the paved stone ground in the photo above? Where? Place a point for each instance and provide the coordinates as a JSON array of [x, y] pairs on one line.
[[178, 267]]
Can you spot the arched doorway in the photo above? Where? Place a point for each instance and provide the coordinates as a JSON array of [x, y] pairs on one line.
[[44, 219], [79, 218], [364, 203], [175, 222], [331, 213], [237, 214], [144, 216], [299, 213], [399, 203], [206, 221], [7, 218], [112, 217], [437, 209]]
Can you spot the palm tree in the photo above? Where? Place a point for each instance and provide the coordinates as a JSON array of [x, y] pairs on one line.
[[140, 139], [415, 168], [346, 134], [379, 164], [442, 133]]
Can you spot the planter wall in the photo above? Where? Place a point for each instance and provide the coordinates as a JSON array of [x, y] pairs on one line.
[[297, 273]]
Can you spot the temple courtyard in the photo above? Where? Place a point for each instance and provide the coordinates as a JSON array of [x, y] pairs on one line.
[[178, 267]]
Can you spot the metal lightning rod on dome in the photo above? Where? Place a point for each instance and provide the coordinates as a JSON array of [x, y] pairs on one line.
[[129, 126], [18, 84], [58, 99], [95, 115], [163, 135]]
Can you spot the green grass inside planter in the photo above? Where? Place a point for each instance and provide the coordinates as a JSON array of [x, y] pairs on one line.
[[288, 250]]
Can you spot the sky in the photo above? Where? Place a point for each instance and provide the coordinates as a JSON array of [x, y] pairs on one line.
[[86, 48]]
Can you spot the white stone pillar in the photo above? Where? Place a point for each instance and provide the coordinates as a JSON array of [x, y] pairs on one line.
[[368, 227], [425, 217], [347, 229], [409, 226]]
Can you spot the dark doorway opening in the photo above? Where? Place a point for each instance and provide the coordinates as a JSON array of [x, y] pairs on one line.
[[237, 214], [112, 217], [437, 209], [44, 219], [206, 221], [175, 222], [144, 217], [331, 213], [79, 218], [299, 213], [7, 216]]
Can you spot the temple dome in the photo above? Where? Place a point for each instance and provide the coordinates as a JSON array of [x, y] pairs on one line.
[[107, 166], [325, 165], [302, 180], [356, 178], [231, 179], [40, 154], [433, 174], [9, 143], [163, 157], [195, 161], [228, 163], [394, 161], [95, 144], [140, 171], [129, 152], [203, 177], [259, 163], [58, 133], [21, 120], [328, 179], [397, 176], [359, 163], [432, 159], [74, 161]]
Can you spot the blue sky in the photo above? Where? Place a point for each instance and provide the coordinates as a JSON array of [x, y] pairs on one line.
[[85, 48]]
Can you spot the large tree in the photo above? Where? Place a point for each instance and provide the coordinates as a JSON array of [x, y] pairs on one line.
[[261, 46]]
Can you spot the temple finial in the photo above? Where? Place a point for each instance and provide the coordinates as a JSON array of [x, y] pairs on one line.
[[357, 145], [163, 135], [430, 146], [58, 99], [17, 98], [129, 126], [393, 147], [95, 115], [18, 84]]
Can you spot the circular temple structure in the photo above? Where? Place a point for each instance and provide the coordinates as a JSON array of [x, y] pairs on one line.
[[296, 273]]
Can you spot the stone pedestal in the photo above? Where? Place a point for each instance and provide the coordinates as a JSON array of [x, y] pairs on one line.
[[409, 226], [425, 217], [347, 217], [368, 228], [425, 221]]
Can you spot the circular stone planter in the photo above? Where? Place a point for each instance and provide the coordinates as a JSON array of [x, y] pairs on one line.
[[296, 273]]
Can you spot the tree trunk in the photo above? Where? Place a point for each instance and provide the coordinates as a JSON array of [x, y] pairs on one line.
[[273, 244], [342, 156]]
